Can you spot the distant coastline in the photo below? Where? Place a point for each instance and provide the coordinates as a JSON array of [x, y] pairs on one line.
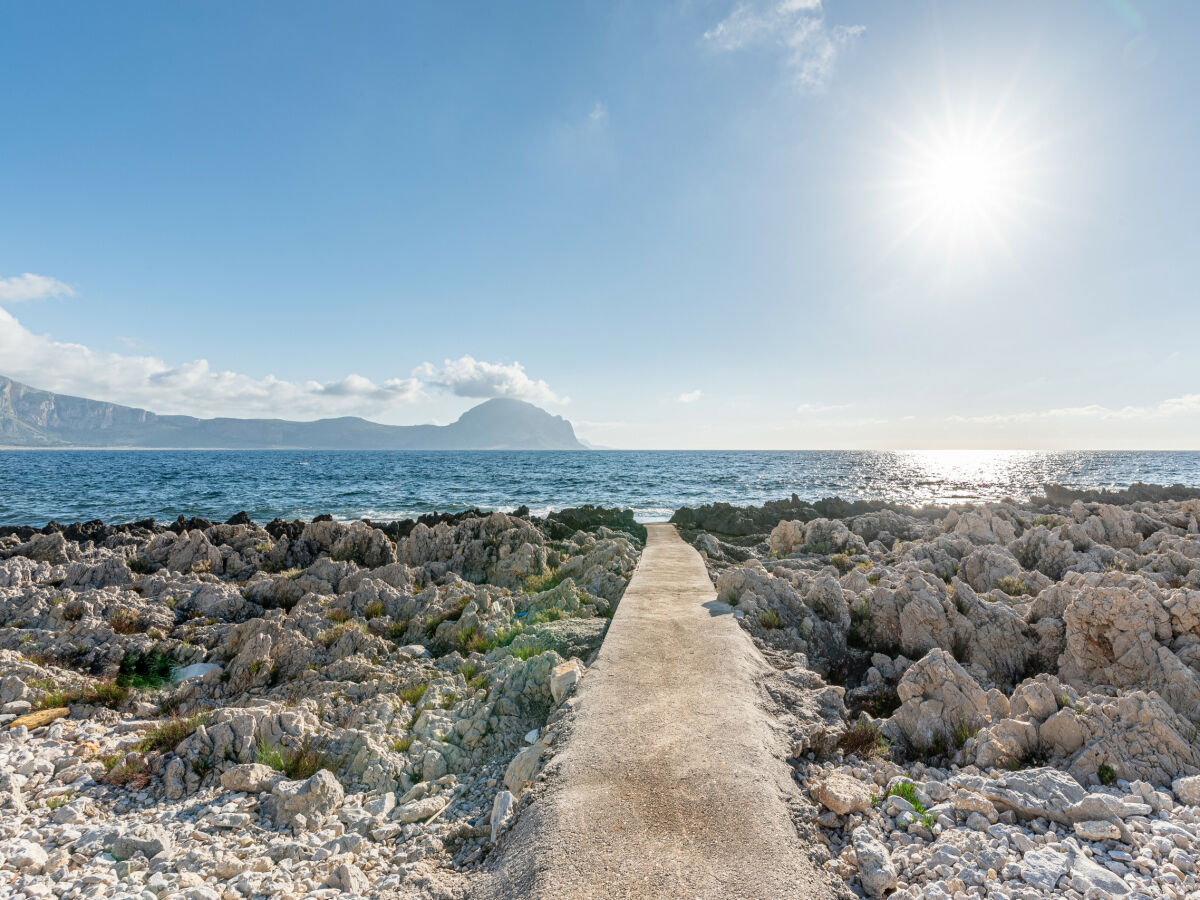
[[34, 418]]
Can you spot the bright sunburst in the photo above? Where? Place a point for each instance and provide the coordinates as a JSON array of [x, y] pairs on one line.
[[961, 184]]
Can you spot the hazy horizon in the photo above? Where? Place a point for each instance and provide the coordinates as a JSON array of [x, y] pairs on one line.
[[687, 225]]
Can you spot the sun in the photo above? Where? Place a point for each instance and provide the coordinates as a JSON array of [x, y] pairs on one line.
[[959, 185], [962, 183]]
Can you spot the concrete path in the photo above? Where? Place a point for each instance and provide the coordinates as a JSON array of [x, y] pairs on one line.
[[671, 782]]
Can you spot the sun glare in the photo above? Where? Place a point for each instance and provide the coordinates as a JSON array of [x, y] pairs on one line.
[[959, 186]]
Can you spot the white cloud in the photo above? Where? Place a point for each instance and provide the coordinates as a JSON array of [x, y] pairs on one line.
[[691, 396], [469, 377], [195, 388], [795, 27], [598, 114], [32, 287], [806, 408], [192, 388], [1187, 404]]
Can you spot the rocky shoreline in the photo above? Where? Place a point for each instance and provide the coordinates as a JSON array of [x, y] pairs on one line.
[[211, 711], [996, 701], [992, 701]]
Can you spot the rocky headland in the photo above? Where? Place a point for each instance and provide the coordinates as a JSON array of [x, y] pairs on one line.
[[997, 701], [215, 711]]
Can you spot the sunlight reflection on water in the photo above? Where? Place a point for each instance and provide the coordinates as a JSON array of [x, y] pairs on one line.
[[36, 486]]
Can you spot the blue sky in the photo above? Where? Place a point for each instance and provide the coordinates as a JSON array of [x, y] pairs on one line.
[[685, 224]]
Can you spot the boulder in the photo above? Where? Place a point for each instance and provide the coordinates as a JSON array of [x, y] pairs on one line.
[[523, 768], [1187, 790], [1118, 633], [939, 703], [875, 868], [502, 811], [308, 803], [843, 795], [564, 677], [250, 778], [148, 840]]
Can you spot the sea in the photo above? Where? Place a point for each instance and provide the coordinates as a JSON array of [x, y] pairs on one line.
[[37, 486]]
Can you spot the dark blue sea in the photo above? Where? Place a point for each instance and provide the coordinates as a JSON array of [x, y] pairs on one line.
[[69, 485]]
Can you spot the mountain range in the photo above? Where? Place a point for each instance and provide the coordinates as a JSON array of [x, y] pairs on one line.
[[30, 417]]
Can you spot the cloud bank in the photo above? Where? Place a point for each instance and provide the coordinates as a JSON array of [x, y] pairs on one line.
[[195, 388], [796, 28]]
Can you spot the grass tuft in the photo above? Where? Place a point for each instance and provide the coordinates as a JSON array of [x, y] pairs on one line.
[[1012, 586], [167, 735], [769, 619], [865, 741]]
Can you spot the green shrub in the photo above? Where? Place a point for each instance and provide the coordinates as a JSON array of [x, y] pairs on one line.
[[414, 693], [906, 791], [1107, 774], [1012, 586], [769, 619], [139, 566], [296, 763], [166, 735], [865, 741], [102, 693], [145, 671], [551, 578], [963, 733], [526, 651], [860, 625], [125, 621], [842, 562]]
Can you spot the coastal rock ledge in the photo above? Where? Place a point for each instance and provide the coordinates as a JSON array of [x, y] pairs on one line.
[[215, 711], [995, 701]]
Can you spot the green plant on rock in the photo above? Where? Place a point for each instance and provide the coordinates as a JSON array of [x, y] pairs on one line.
[[841, 562], [102, 693], [145, 671], [1012, 586], [544, 581], [269, 756], [860, 625], [526, 651], [58, 802], [125, 621], [1107, 774], [769, 619], [139, 566], [864, 740], [338, 615], [296, 763], [373, 610], [545, 615], [401, 745], [471, 640], [906, 791], [963, 732], [167, 735], [414, 693]]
